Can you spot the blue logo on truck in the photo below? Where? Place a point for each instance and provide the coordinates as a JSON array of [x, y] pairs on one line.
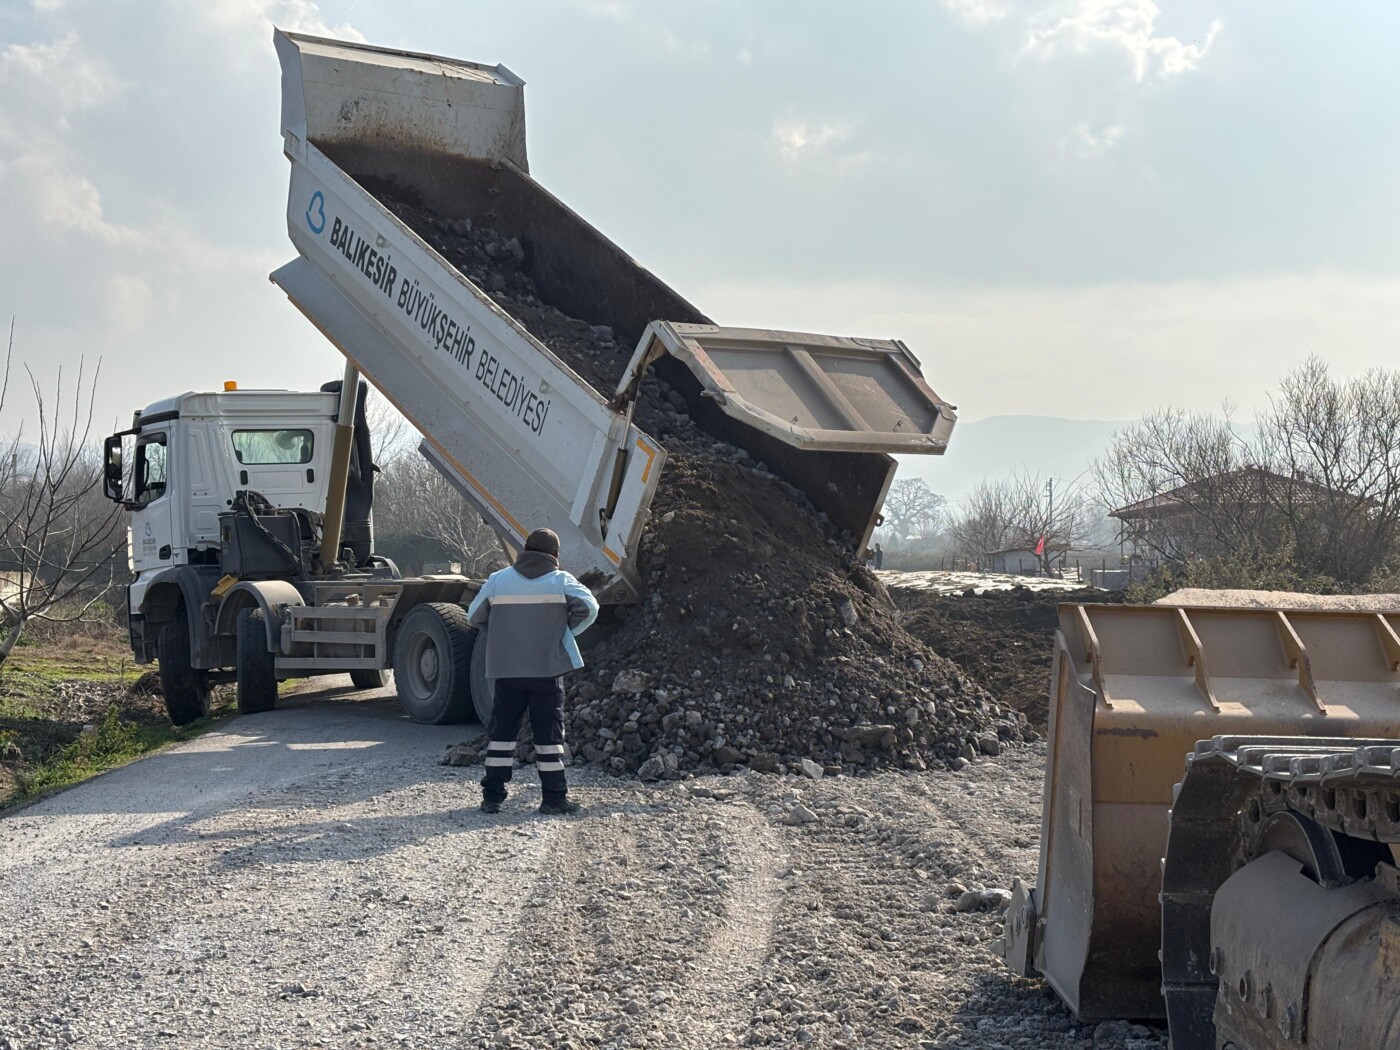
[[316, 212]]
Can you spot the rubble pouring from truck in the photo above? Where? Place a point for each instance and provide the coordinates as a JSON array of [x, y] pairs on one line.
[[1251, 900], [254, 552]]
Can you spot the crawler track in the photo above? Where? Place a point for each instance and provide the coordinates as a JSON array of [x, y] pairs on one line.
[[1333, 804]]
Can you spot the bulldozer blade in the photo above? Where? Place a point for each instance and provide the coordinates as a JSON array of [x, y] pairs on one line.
[[1134, 688]]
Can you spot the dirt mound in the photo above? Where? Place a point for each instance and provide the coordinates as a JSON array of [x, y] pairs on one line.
[[761, 640], [1003, 639], [760, 651]]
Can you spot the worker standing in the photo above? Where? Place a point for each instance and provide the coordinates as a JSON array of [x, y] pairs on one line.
[[534, 610]]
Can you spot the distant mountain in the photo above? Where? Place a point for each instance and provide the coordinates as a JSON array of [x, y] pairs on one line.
[[992, 448]]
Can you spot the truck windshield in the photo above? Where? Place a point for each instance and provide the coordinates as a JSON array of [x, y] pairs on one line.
[[254, 447]]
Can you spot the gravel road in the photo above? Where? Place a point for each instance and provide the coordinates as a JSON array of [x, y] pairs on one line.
[[313, 877]]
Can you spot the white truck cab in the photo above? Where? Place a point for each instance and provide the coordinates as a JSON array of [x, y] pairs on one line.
[[190, 454]]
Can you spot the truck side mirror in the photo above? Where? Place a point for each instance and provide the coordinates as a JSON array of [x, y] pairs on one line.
[[112, 477]]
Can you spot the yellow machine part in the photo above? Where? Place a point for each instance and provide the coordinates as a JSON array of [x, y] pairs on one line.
[[1134, 688]]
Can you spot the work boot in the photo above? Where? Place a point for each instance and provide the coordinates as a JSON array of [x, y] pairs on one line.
[[490, 805], [563, 808]]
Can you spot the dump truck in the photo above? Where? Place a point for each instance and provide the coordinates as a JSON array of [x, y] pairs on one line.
[[251, 510], [1220, 820]]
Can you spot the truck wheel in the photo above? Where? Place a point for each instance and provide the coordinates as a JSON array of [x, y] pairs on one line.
[[483, 689], [257, 665], [369, 679], [432, 664], [185, 688]]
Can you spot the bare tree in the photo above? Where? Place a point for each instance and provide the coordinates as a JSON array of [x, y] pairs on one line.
[[418, 515], [1333, 449], [912, 509], [414, 501], [59, 538], [1186, 484], [985, 521], [1318, 485], [390, 434], [1025, 511]]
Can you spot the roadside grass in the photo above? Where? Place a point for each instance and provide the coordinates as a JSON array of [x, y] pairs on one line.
[[74, 705], [112, 742], [36, 668]]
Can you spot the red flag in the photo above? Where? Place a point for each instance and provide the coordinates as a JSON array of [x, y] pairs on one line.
[[1040, 546]]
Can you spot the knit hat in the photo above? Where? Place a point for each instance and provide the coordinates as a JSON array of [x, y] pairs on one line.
[[546, 541]]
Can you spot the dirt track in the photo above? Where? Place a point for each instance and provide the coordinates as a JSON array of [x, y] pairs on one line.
[[313, 877]]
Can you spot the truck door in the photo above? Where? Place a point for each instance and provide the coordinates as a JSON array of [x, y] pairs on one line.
[[151, 525]]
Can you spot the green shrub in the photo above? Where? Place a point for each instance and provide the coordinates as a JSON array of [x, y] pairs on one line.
[[1258, 571]]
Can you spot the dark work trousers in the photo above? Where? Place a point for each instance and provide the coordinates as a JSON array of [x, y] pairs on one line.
[[543, 698]]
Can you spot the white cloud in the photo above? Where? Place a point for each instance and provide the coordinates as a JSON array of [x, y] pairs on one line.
[[62, 201], [604, 8], [107, 249], [1100, 56], [1126, 26], [795, 139], [239, 32], [130, 302], [977, 13], [55, 83], [300, 16], [46, 165], [799, 141], [1087, 141], [47, 85]]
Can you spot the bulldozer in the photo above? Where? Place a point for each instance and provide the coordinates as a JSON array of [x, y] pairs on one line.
[[1220, 820]]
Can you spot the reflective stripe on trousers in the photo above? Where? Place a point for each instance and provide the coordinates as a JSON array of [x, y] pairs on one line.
[[543, 700]]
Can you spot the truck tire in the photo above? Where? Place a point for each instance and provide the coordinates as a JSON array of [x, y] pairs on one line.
[[369, 679], [256, 664], [185, 688], [432, 664], [483, 689]]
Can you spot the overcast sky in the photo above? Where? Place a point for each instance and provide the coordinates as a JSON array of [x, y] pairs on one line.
[[1083, 208]]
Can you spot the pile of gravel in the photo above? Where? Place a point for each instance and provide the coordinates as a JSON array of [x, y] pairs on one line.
[[762, 641]]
